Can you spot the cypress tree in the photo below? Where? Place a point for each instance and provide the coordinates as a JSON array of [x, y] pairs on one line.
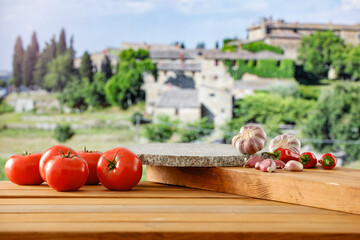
[[61, 48], [30, 62], [18, 61], [106, 67], [48, 54], [86, 67]]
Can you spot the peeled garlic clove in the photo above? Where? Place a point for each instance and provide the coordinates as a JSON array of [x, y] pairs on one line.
[[279, 163], [252, 161], [250, 139], [268, 165], [293, 165], [286, 141]]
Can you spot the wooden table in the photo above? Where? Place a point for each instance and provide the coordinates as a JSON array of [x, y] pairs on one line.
[[156, 211]]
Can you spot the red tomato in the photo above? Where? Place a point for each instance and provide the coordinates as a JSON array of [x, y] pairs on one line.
[[92, 158], [24, 169], [66, 172], [119, 169], [49, 154]]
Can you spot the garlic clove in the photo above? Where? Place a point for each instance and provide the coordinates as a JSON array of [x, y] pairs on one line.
[[294, 166]]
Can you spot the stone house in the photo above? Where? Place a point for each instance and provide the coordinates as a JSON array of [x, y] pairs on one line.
[[194, 83], [287, 35]]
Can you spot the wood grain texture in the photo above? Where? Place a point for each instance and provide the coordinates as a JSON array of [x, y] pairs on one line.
[[336, 189], [179, 213]]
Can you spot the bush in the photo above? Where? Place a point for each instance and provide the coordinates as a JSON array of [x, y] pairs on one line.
[[336, 117], [269, 110], [142, 119], [197, 130], [264, 68], [260, 46], [4, 108], [309, 92], [63, 132], [162, 130], [285, 89]]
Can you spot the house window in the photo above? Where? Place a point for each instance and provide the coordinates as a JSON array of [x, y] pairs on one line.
[[176, 111], [359, 37], [216, 62], [234, 63], [278, 63], [255, 63], [165, 72], [216, 78], [212, 94]]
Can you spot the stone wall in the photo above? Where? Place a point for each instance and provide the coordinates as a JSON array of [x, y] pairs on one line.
[[182, 114]]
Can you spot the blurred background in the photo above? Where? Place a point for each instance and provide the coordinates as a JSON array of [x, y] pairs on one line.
[[109, 73]]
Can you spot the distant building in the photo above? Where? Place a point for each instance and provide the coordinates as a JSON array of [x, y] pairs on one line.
[[98, 58], [288, 35], [194, 83]]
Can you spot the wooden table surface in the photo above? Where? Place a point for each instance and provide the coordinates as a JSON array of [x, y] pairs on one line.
[[156, 211]]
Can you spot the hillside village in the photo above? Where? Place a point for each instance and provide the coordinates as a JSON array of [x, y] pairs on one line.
[[195, 83]]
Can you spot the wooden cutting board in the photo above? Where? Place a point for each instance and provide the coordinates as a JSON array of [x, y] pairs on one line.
[[337, 189]]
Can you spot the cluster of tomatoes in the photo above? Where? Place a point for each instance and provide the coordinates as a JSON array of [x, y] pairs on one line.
[[67, 170]]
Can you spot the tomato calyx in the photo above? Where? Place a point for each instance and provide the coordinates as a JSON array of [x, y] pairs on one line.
[[67, 155], [86, 150], [111, 163], [26, 153]]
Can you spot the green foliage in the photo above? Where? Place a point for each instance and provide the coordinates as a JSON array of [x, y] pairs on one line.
[[285, 89], [139, 117], [4, 108], [336, 117], [18, 60], [200, 45], [29, 62], [59, 72], [41, 67], [162, 130], [352, 61], [75, 93], [263, 68], [61, 46], [86, 67], [269, 110], [309, 92], [261, 46], [229, 48], [196, 130], [95, 92], [63, 132], [106, 67], [319, 51], [124, 88]]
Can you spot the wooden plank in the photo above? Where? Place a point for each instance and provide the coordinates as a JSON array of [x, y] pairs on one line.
[[289, 209], [337, 189], [137, 201], [178, 235], [315, 218], [248, 227]]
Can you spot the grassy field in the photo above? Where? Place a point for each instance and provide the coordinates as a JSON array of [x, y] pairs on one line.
[[110, 128]]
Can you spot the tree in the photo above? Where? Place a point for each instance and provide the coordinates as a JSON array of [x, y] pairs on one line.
[[18, 59], [162, 130], [319, 51], [61, 46], [352, 61], [58, 72], [217, 45], [86, 67], [197, 130], [106, 67], [200, 45], [95, 93], [336, 119], [74, 93], [30, 62], [41, 67], [124, 88]]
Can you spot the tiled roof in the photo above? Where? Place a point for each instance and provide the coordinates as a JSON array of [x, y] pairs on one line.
[[242, 54], [172, 54], [284, 34], [178, 66], [179, 98], [306, 26]]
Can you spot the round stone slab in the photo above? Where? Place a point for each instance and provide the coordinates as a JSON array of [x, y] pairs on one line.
[[188, 154]]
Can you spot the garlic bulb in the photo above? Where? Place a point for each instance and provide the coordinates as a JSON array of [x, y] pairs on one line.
[[250, 139], [285, 141]]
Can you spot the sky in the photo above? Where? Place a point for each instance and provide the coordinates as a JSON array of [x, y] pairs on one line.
[[98, 24]]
